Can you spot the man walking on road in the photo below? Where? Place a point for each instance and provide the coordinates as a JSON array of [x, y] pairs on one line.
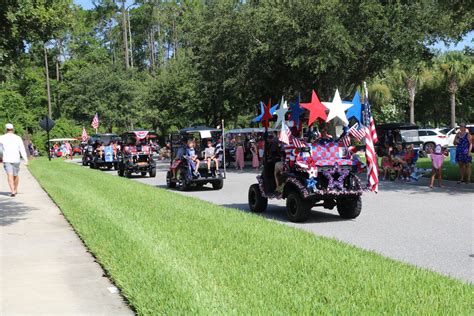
[[12, 148]]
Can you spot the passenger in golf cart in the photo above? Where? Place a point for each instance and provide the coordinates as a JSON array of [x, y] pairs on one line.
[[195, 159], [101, 151], [136, 155]]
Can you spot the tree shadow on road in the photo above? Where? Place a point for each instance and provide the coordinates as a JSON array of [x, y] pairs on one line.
[[12, 211], [421, 187]]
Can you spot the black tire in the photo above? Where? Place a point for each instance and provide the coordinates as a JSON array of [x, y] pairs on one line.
[[427, 147], [298, 209], [169, 183], [116, 165], [217, 185], [182, 184], [84, 162], [120, 172], [92, 165], [349, 207], [127, 173], [152, 173], [257, 202]]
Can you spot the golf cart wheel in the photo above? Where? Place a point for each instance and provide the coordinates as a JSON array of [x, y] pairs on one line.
[[257, 202], [143, 173], [92, 165], [349, 207], [217, 185], [182, 184], [116, 166], [153, 173], [169, 183], [298, 209], [128, 174], [120, 171], [84, 162]]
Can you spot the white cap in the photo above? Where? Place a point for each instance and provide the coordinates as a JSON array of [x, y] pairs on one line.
[[9, 126]]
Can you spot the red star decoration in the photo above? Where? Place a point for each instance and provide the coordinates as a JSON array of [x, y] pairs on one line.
[[266, 114], [316, 109]]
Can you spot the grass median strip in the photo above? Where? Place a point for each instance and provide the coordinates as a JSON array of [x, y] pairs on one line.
[[174, 254]]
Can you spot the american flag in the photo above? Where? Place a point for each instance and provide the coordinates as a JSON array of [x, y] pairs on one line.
[[95, 121], [371, 157], [85, 137], [298, 142], [285, 134], [345, 138], [357, 132], [373, 132]]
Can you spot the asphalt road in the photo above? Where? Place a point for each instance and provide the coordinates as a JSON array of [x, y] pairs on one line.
[[431, 228]]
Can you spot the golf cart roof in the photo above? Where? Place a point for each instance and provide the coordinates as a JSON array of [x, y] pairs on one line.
[[63, 140], [196, 129], [250, 130]]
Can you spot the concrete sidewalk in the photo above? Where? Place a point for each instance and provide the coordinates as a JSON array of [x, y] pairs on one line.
[[44, 267]]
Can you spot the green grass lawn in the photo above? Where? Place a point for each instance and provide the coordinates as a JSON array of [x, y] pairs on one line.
[[171, 254]]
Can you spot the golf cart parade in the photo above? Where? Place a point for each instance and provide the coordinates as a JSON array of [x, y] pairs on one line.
[[315, 170], [301, 162]]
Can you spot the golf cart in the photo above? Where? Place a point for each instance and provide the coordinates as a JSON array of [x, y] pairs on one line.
[[319, 174], [136, 154], [184, 173], [99, 151]]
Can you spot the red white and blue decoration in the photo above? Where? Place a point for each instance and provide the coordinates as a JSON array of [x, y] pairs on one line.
[[337, 109], [316, 109]]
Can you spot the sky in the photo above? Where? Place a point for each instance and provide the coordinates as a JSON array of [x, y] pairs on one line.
[[468, 39]]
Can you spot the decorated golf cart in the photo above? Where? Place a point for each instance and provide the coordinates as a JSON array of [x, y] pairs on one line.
[[100, 151], [317, 169], [197, 159], [136, 154]]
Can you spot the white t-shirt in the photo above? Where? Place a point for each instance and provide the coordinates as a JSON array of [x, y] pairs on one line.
[[12, 148]]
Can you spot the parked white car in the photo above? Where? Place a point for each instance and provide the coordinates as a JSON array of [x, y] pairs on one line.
[[452, 133], [432, 137]]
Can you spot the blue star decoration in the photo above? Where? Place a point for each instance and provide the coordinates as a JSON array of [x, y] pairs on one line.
[[260, 116], [355, 111], [311, 183], [296, 111]]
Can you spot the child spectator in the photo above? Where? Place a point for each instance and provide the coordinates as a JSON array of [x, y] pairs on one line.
[[437, 159], [387, 167], [210, 156]]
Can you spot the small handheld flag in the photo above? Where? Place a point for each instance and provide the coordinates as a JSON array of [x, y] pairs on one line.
[[95, 122]]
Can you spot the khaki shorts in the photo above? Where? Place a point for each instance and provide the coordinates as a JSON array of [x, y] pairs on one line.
[[12, 168]]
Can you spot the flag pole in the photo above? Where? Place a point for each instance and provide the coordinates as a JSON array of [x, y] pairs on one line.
[[223, 149]]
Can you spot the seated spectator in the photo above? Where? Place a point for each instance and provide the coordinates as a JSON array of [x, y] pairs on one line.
[[387, 167]]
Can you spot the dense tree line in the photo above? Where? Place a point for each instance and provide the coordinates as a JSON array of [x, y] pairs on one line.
[[169, 64]]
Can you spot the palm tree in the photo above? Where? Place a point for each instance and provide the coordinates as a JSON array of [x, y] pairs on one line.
[[412, 77], [456, 68]]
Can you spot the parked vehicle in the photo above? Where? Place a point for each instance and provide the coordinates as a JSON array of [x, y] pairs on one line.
[[98, 152], [322, 175], [392, 133], [136, 154], [431, 138], [180, 175], [451, 133]]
